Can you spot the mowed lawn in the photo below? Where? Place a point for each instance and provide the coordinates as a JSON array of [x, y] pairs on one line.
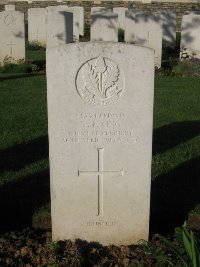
[[24, 166]]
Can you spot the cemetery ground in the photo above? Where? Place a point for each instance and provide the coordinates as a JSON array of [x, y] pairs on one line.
[[24, 178]]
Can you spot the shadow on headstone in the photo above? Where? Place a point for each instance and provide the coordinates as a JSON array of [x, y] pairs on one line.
[[67, 37]]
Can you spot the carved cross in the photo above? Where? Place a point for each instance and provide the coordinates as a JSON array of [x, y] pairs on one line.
[[149, 38], [11, 46], [37, 35], [100, 173]]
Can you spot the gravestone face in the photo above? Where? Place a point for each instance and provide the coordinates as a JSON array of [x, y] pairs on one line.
[[190, 36], [76, 19], [12, 41], [146, 30], [104, 27], [59, 26], [81, 18], [121, 16], [129, 34], [9, 7], [100, 112], [168, 19], [37, 26]]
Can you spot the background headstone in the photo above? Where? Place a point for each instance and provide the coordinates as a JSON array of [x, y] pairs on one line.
[[190, 36], [59, 26], [121, 16], [129, 35], [37, 26], [148, 31], [9, 7], [104, 27], [81, 18], [168, 19], [100, 114], [76, 19], [12, 32]]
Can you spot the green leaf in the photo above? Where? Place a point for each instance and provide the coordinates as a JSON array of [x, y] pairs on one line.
[[187, 243], [174, 249]]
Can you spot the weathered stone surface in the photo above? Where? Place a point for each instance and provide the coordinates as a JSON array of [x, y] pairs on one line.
[[104, 27], [37, 26], [81, 18], [121, 16], [168, 19], [190, 36], [59, 26], [12, 41], [9, 7], [100, 112]]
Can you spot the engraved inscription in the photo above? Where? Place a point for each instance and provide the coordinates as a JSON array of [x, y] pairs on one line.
[[100, 174], [9, 20], [101, 128], [99, 224], [100, 82]]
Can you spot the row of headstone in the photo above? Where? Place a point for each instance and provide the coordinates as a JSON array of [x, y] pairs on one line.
[[140, 28], [100, 114], [55, 24]]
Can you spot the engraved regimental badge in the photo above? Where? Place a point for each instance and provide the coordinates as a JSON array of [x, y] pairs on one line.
[[100, 81]]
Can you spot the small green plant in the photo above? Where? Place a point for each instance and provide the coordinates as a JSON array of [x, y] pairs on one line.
[[185, 247]]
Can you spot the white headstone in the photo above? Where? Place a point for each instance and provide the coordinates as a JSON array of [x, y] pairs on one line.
[[37, 26], [190, 35], [129, 34], [81, 18], [9, 7], [59, 26], [146, 30], [12, 41], [76, 19], [100, 113], [121, 16], [104, 27], [168, 19]]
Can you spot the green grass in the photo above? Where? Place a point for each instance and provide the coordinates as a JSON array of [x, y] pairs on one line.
[[24, 175], [35, 55]]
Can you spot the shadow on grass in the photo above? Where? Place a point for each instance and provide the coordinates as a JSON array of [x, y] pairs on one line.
[[17, 157], [18, 200], [173, 195], [12, 76], [171, 135]]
